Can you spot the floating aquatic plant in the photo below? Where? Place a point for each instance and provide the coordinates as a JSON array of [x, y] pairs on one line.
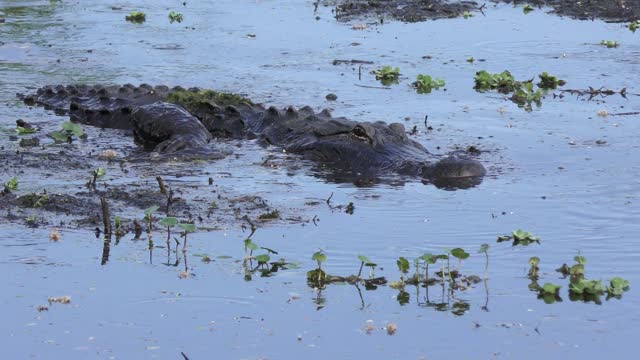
[[519, 237], [66, 134], [10, 185], [424, 84], [548, 81], [137, 17], [175, 17], [503, 82], [609, 43], [527, 9], [387, 74]]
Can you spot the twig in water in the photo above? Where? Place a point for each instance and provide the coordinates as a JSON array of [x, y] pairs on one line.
[[106, 219], [252, 226], [481, 8], [169, 202], [374, 87], [163, 190]]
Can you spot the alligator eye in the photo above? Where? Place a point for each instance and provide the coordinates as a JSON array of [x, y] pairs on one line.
[[360, 133]]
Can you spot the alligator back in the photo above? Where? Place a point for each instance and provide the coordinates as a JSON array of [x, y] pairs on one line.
[[100, 106]]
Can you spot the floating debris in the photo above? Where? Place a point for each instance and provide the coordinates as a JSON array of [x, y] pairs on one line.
[[59, 299]]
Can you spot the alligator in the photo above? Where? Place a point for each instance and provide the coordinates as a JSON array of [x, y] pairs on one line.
[[171, 120]]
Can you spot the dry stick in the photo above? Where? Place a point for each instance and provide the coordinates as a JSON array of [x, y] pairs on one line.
[[105, 249], [373, 87], [106, 219], [163, 190], [92, 182], [169, 201], [184, 245], [168, 241], [329, 199], [627, 113]]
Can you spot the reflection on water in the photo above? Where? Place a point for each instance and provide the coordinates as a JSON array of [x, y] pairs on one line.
[[549, 177]]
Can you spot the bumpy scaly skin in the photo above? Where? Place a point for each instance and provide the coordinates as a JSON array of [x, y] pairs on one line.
[[359, 148]]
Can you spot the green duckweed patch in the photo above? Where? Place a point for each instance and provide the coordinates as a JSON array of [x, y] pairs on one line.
[[188, 98]]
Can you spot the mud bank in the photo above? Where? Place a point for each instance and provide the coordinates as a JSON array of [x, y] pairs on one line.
[[421, 10]]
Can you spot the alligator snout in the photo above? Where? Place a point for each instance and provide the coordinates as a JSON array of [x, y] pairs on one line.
[[454, 168]]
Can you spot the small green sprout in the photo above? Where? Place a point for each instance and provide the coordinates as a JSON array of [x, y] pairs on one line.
[[609, 43], [484, 248], [634, 25], [168, 222], [118, 224], [175, 17], [148, 216], [319, 257], [249, 246], [363, 261], [533, 271], [186, 228], [527, 9], [467, 15], [471, 60], [387, 75], [137, 17], [403, 266], [424, 84], [429, 259]]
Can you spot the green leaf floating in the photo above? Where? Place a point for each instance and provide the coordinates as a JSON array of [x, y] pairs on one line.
[[319, 257], [403, 264], [459, 253], [262, 259], [73, 129], [169, 221], [151, 210], [187, 227]]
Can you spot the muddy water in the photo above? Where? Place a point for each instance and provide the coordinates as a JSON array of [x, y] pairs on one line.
[[548, 174]]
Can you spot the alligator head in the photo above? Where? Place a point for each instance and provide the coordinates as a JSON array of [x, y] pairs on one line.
[[364, 149]]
